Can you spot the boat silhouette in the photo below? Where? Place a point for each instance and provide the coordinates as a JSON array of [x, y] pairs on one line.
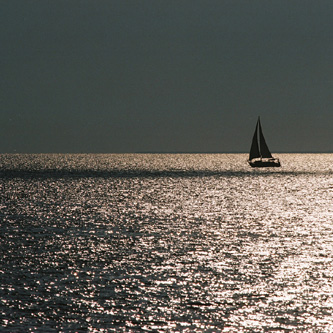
[[260, 156]]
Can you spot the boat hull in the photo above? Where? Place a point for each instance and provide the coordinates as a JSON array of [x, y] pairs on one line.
[[271, 163]]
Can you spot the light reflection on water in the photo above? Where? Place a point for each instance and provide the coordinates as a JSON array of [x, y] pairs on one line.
[[166, 243]]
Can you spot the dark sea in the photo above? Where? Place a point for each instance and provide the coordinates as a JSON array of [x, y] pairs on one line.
[[165, 243]]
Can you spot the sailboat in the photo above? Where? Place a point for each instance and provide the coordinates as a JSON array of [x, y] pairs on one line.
[[260, 156]]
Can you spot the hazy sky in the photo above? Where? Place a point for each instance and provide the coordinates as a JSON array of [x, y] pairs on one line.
[[165, 76]]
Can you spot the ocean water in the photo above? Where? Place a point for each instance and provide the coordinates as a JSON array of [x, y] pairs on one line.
[[165, 243]]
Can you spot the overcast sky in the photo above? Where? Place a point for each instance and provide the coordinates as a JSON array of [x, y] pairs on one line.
[[109, 76]]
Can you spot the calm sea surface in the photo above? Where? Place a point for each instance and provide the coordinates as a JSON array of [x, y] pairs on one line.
[[165, 243]]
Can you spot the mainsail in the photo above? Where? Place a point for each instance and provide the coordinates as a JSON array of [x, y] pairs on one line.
[[259, 147], [264, 151]]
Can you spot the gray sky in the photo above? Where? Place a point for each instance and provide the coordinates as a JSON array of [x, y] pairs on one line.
[[165, 76]]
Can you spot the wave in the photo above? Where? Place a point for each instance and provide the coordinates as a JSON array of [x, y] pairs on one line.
[[144, 173]]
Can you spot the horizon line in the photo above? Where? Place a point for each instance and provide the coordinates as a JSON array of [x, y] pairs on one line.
[[166, 152]]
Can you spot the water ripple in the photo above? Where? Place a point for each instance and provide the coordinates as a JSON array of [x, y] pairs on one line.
[[209, 246]]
